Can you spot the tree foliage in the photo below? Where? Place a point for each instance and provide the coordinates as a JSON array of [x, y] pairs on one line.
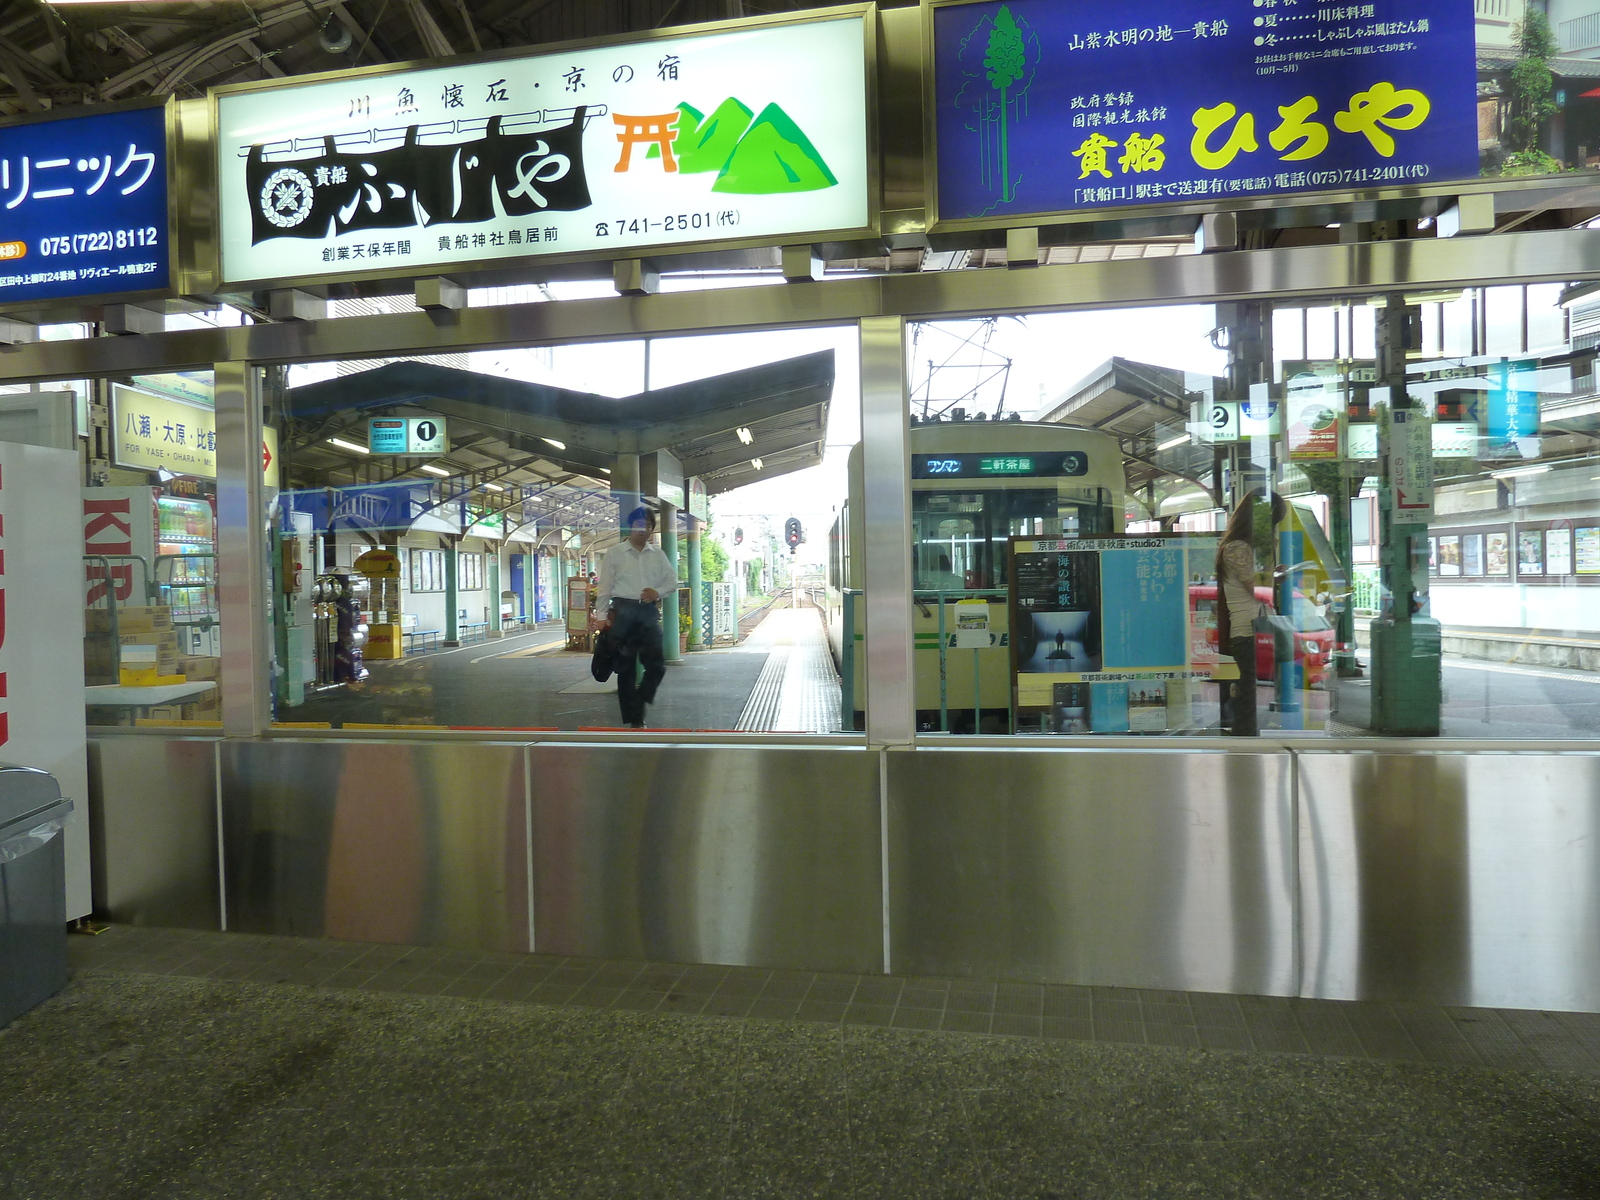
[[752, 576], [1532, 87], [1005, 60], [713, 561]]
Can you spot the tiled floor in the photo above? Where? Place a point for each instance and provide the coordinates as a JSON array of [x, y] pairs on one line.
[[1510, 1038], [214, 1065]]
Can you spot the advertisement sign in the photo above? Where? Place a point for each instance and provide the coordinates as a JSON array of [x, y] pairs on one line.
[[1046, 107], [378, 564], [1314, 402], [407, 435], [83, 206], [753, 133], [1586, 539], [1099, 625], [1513, 417], [153, 432], [1558, 551]]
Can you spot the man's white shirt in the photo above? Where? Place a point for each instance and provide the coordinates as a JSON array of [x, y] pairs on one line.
[[625, 573]]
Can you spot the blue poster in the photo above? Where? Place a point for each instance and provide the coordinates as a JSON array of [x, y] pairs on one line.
[[83, 206], [1513, 410], [1045, 106], [1144, 608]]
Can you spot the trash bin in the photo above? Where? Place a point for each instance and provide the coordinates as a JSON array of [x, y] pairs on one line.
[[33, 890]]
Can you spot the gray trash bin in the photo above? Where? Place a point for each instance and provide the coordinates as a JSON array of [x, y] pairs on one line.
[[33, 890]]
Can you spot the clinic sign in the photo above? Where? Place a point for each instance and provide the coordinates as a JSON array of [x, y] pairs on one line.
[[83, 206], [755, 133], [1047, 107]]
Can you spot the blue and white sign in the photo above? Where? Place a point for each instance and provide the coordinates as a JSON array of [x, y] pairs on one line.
[[1513, 417], [407, 435], [1048, 107], [83, 206]]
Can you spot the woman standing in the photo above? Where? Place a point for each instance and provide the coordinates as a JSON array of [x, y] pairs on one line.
[[1236, 614]]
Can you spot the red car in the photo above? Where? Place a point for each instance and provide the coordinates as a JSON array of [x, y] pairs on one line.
[[1313, 636]]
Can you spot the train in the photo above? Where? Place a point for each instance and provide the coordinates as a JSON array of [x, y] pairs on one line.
[[974, 485]]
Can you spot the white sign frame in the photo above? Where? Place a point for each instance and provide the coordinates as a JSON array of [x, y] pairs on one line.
[[342, 119]]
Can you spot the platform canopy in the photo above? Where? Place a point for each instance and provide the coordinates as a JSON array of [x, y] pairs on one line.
[[544, 454]]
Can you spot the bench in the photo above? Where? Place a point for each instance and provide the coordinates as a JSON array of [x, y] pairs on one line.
[[472, 631], [428, 637]]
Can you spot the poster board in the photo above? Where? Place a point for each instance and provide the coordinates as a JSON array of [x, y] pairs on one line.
[[1102, 634]]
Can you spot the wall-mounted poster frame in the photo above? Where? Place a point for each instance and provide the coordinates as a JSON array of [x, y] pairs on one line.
[[604, 148]]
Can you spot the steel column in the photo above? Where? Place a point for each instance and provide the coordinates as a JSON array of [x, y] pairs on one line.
[[242, 552]]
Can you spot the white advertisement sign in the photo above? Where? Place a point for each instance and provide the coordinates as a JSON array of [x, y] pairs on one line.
[[41, 649], [1410, 467], [759, 132]]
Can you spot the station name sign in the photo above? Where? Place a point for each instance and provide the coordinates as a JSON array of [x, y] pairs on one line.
[[756, 133], [83, 206], [1046, 107]]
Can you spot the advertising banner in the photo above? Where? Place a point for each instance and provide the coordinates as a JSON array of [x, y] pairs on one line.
[[1513, 410], [758, 132], [1048, 107], [83, 206], [1101, 625]]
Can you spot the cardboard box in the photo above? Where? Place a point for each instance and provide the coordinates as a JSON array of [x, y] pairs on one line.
[[131, 619], [139, 676], [164, 639], [200, 666]]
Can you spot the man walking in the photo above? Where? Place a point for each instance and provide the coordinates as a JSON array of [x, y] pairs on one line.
[[633, 577]]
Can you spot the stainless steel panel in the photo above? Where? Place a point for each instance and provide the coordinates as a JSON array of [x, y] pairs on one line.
[[886, 511], [1260, 274], [242, 585], [414, 842], [1464, 878], [755, 857], [1152, 869], [153, 831]]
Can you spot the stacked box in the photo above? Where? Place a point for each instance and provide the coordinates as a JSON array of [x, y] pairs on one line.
[[164, 643], [132, 619], [200, 666]]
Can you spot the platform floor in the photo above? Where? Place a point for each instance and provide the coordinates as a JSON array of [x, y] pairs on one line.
[[780, 678], [226, 1065]]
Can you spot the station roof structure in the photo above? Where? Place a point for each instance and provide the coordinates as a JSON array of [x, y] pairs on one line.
[[1143, 406], [539, 449]]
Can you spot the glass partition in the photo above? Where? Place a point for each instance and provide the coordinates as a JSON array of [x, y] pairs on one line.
[[461, 539], [1364, 516]]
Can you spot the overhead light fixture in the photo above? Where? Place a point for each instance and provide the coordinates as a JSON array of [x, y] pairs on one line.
[[493, 487], [605, 470], [1169, 444], [745, 435], [756, 463], [553, 442], [1519, 472], [350, 446], [333, 37], [433, 470]]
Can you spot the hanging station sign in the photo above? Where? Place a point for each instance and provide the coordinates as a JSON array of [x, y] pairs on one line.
[[759, 132], [154, 433], [1047, 107], [83, 206], [407, 435]]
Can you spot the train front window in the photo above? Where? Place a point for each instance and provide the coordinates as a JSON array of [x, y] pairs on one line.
[[960, 537]]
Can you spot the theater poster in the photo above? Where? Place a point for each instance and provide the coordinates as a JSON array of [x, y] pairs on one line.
[[759, 132]]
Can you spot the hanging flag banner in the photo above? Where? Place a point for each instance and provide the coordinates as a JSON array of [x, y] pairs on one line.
[[83, 206], [759, 132], [1048, 107]]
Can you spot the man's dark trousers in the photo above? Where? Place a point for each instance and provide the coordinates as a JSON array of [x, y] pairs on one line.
[[637, 630]]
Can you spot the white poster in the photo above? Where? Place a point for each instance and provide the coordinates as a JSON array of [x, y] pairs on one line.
[[759, 132], [41, 646]]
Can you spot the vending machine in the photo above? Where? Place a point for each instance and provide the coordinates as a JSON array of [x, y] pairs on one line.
[[147, 547]]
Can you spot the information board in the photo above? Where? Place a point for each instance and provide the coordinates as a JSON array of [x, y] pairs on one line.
[[1100, 626], [1047, 107], [756, 132], [83, 206]]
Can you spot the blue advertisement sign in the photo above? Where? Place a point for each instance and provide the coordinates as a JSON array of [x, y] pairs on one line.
[[1513, 410], [1045, 107], [83, 206]]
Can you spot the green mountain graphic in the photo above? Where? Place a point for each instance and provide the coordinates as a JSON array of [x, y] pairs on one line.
[[689, 118], [774, 156]]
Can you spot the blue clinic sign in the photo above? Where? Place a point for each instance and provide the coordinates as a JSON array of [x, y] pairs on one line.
[[83, 206], [1047, 107]]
